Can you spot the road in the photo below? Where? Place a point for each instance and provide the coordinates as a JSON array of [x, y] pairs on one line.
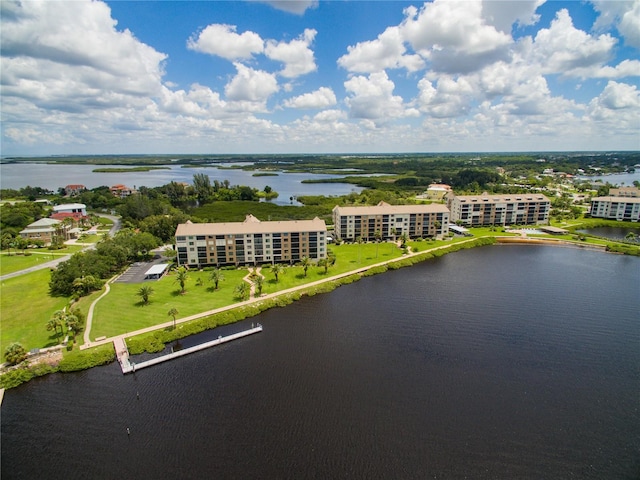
[[53, 263]]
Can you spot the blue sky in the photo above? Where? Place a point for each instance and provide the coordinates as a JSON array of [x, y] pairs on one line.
[[94, 77]]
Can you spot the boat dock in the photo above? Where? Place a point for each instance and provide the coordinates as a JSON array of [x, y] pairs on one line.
[[128, 366]]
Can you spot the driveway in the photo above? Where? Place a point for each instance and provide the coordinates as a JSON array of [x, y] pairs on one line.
[[135, 273]]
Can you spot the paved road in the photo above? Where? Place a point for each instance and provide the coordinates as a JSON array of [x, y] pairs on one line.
[[54, 263]]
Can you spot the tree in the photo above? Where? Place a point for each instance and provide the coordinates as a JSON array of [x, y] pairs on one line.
[[277, 269], [181, 277], [72, 323], [326, 263], [173, 312], [242, 291], [258, 282], [202, 186], [216, 277], [56, 321], [631, 237], [84, 285], [144, 293], [15, 353], [378, 236], [305, 262]]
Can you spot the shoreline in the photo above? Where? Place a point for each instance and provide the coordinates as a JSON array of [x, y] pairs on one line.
[[253, 306]]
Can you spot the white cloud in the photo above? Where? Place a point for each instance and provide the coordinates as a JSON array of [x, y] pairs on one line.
[[450, 98], [223, 41], [321, 98], [250, 85], [617, 96], [454, 36], [387, 51], [503, 15], [572, 52], [70, 56], [372, 99], [297, 7], [296, 55], [616, 110], [625, 15]]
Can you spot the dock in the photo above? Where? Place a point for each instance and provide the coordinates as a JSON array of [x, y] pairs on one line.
[[122, 353]]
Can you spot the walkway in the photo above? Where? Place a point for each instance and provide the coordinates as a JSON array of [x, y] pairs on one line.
[[232, 306], [128, 366]]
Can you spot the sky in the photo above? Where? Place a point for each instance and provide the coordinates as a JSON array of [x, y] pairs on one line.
[[233, 77]]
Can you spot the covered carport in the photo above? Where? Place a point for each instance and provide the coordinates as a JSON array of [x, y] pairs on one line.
[[156, 271]]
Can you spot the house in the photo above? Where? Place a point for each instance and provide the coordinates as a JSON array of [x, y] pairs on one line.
[[250, 242], [74, 189], [616, 208], [121, 191], [390, 221], [491, 209], [435, 192], [75, 211], [47, 230]]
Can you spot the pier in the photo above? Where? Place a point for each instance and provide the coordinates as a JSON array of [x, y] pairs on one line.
[[122, 353]]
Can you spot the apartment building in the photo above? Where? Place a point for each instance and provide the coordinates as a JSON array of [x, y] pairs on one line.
[[251, 242], [390, 221], [489, 209], [616, 208], [632, 192]]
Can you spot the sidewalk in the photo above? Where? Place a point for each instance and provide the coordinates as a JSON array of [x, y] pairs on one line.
[[207, 313]]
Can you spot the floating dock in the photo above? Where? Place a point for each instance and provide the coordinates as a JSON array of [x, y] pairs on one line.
[[128, 366]]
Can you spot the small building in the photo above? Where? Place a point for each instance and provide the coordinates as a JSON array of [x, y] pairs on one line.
[[121, 191], [458, 230], [553, 230], [435, 192], [47, 230], [75, 211], [74, 189], [156, 271]]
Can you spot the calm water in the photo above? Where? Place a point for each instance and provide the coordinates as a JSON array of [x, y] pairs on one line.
[[614, 233], [54, 176], [502, 362]]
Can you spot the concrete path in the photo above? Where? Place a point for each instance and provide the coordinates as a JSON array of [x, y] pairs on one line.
[[259, 299]]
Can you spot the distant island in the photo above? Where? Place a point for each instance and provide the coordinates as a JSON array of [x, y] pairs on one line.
[[127, 170]]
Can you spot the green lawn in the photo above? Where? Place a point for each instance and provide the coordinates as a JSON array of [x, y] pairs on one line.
[[26, 307], [121, 311], [13, 263]]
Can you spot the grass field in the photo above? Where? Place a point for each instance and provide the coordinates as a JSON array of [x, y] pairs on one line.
[[26, 308]]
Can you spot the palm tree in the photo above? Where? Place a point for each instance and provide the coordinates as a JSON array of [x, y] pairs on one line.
[[144, 293], [326, 263], [259, 283], [172, 313], [216, 277], [631, 237], [378, 237], [305, 262], [242, 291], [56, 321], [15, 353], [181, 277], [277, 269], [72, 323]]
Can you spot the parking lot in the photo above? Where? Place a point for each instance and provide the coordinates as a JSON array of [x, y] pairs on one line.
[[135, 273]]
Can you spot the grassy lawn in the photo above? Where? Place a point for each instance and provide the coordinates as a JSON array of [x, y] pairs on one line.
[[89, 238], [13, 263], [26, 307], [121, 311]]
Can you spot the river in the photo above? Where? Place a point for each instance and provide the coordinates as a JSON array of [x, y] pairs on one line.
[[494, 363], [55, 175]]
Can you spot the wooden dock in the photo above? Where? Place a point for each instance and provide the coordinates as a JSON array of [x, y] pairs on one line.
[[128, 366]]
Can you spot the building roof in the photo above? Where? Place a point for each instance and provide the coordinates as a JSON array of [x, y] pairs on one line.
[[157, 269], [250, 225], [75, 186], [617, 199], [44, 222], [517, 197], [551, 229], [385, 209], [69, 206]]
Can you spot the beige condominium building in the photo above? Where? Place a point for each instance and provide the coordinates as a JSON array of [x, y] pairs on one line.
[[616, 208], [390, 221], [490, 209], [251, 242]]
